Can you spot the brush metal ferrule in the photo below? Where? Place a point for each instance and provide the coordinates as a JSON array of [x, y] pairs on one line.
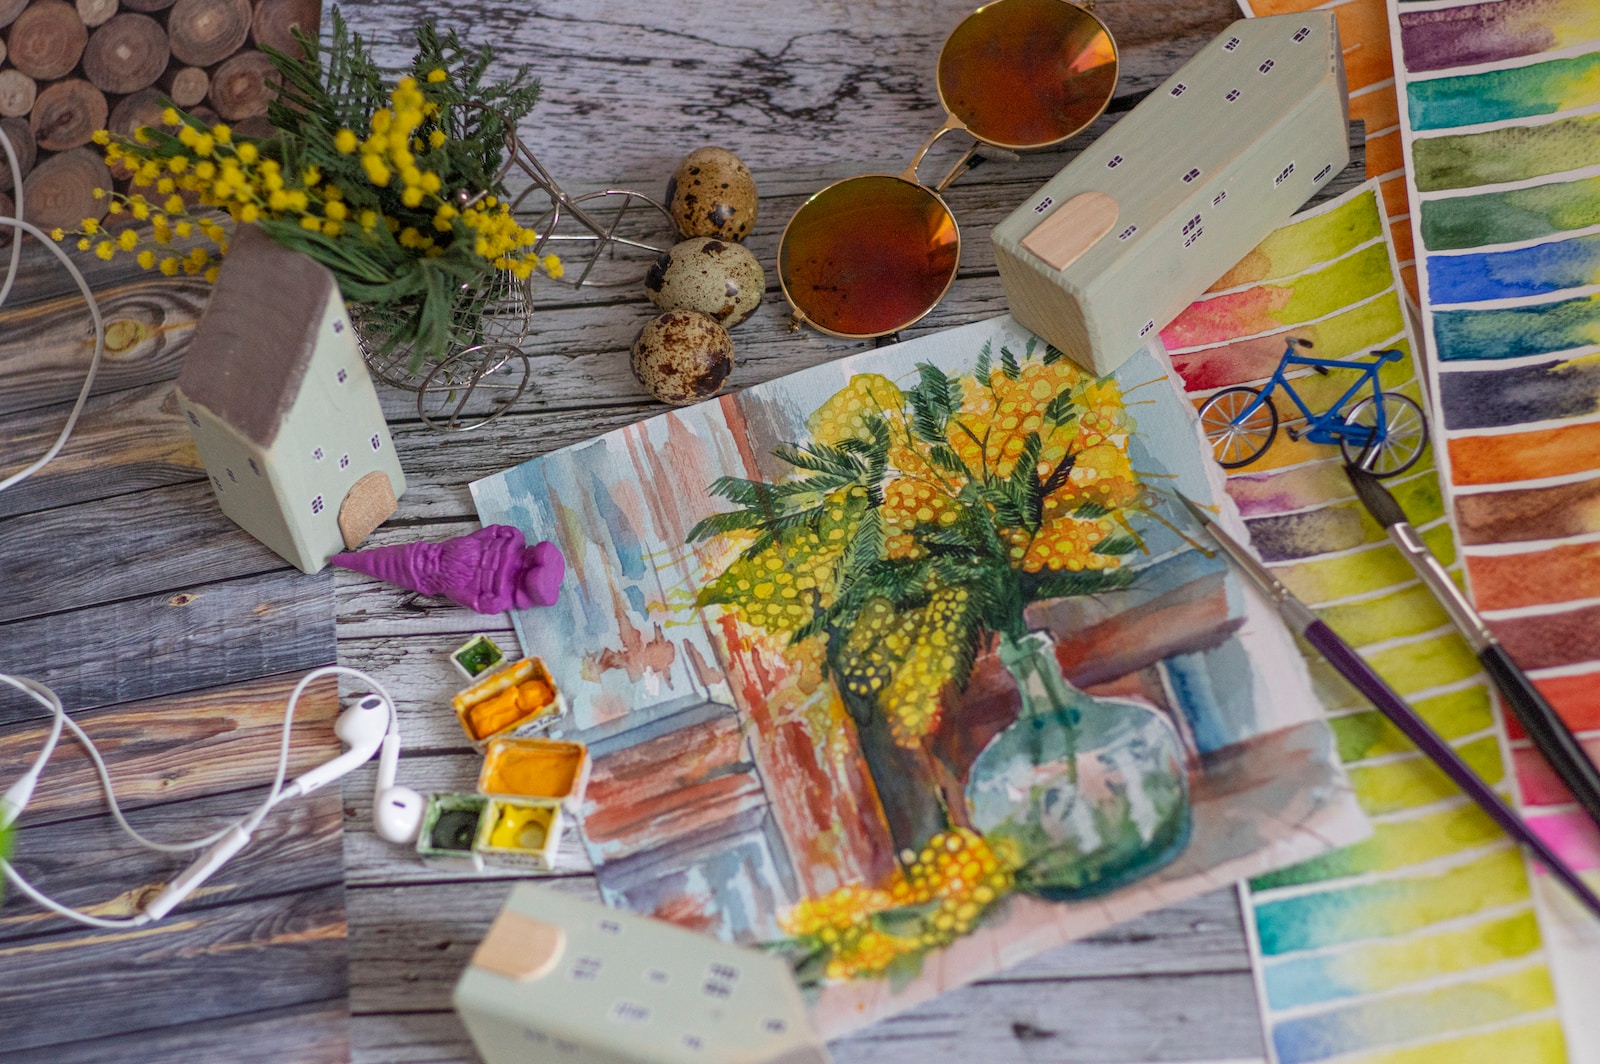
[[1296, 613], [1444, 589]]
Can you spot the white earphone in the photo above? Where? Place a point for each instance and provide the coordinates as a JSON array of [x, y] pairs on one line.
[[366, 728]]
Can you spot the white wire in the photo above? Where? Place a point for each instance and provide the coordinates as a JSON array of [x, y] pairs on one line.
[[247, 823], [30, 229], [16, 187]]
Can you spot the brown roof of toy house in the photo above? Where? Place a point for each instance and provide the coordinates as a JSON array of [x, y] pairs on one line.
[[250, 352]]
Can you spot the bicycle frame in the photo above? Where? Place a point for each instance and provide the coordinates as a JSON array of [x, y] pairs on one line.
[[1329, 426]]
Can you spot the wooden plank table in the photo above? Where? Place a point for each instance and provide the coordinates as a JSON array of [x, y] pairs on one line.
[[806, 91]]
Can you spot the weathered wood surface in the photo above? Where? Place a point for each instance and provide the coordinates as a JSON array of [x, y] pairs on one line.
[[174, 639], [807, 91]]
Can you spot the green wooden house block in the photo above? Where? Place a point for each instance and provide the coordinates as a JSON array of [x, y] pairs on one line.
[[282, 410], [1148, 217], [558, 978]]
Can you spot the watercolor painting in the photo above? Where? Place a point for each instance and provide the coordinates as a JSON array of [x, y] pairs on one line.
[[902, 667], [1425, 943], [1369, 73], [1502, 139]]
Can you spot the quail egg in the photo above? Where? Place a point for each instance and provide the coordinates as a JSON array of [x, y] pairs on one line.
[[683, 356], [715, 277], [712, 194]]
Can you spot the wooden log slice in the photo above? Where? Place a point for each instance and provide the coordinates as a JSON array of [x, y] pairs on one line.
[[276, 20], [204, 32], [127, 54], [255, 126], [185, 85], [67, 114], [10, 9], [22, 143], [8, 209], [2, 50], [142, 108], [17, 93], [46, 40], [96, 12], [242, 87], [147, 5], [60, 190]]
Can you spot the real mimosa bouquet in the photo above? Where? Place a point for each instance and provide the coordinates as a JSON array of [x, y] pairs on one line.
[[394, 187]]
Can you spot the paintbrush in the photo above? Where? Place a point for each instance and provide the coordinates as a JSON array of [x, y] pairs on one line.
[[1539, 719], [1351, 666]]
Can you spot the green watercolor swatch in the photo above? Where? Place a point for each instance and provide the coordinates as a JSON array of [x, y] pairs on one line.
[[1395, 844], [1316, 295], [1367, 735], [1499, 95], [1384, 965], [1514, 153], [1411, 783], [1508, 217], [1409, 611], [1299, 246], [1392, 907]]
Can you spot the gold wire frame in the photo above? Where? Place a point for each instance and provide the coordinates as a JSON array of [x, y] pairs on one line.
[[486, 359]]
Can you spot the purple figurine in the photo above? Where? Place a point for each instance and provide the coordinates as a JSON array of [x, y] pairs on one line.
[[489, 571]]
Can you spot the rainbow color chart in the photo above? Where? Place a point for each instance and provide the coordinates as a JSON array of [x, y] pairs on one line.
[[1369, 73], [1423, 944], [1500, 119]]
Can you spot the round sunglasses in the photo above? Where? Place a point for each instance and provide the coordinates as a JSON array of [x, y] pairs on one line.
[[870, 255]]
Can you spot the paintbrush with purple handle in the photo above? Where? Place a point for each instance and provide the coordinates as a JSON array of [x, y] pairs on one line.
[[1539, 719], [1351, 666]]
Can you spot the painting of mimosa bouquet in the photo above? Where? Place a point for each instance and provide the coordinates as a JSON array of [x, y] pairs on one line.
[[903, 667], [394, 183], [917, 527]]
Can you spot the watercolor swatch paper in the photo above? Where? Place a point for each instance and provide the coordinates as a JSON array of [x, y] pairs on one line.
[[896, 666], [1424, 944], [1500, 119], [1369, 72]]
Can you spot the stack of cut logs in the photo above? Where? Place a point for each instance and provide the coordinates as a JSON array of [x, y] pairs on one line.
[[68, 69]]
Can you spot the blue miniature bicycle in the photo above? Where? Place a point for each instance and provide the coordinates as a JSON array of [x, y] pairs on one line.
[[1384, 433]]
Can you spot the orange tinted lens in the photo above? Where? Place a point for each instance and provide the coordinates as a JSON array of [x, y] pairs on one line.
[[869, 255], [1026, 73]]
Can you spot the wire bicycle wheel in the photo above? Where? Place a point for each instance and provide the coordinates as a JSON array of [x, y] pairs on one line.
[[1405, 435], [1236, 438]]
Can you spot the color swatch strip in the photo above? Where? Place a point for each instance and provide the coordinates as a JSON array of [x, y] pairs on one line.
[[1401, 947], [1500, 117], [1369, 73]]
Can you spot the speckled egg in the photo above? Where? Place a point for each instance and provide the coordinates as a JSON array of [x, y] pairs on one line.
[[715, 277], [683, 356], [712, 194]]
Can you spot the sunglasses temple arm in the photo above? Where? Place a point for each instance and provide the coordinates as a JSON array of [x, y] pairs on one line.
[[962, 165]]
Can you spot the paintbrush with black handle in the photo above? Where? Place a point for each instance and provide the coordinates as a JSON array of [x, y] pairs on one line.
[[1548, 732], [1364, 678]]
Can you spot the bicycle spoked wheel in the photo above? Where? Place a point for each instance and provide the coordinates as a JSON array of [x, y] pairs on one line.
[[1405, 435], [1238, 438]]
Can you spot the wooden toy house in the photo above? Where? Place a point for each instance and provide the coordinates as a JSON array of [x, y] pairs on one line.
[[282, 410], [562, 979], [1141, 223]]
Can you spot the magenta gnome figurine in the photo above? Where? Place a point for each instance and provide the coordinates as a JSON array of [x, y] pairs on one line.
[[489, 571]]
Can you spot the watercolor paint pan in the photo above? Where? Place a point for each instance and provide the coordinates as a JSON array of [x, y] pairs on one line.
[[519, 700], [477, 656], [522, 834], [535, 768], [450, 830]]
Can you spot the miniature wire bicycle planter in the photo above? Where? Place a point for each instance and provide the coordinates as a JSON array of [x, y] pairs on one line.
[[1384, 432], [487, 359]]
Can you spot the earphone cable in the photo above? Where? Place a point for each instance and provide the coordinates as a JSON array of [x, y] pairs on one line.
[[248, 823], [30, 229]]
